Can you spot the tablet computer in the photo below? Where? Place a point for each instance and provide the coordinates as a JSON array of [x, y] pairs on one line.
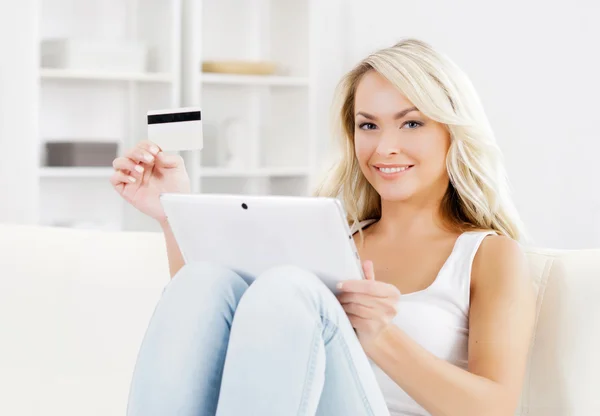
[[251, 234]]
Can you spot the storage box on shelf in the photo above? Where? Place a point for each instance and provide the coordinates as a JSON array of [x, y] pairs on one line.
[[94, 55], [104, 65], [80, 154]]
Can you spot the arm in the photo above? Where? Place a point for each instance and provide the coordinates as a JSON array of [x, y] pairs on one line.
[[500, 328], [173, 253], [160, 172]]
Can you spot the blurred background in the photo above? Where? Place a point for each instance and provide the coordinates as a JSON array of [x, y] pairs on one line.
[[78, 76]]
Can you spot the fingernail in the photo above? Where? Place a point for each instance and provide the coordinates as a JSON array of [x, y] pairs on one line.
[[154, 149], [139, 168], [148, 157], [131, 179], [339, 285]]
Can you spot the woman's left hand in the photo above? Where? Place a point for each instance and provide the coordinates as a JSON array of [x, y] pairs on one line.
[[370, 305]]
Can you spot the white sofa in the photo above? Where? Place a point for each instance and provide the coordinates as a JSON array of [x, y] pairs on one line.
[[74, 306]]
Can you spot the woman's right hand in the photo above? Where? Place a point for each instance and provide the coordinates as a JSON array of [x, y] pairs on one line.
[[145, 172]]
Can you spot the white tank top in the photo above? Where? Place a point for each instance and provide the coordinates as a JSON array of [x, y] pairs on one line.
[[437, 318]]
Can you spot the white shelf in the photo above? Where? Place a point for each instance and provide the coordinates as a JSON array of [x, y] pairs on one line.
[[68, 74], [250, 80], [76, 172], [253, 173], [280, 112]]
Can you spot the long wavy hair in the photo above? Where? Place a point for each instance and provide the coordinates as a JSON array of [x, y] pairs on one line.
[[478, 192]]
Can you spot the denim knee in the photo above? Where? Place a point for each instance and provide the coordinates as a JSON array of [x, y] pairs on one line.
[[290, 281], [208, 279], [289, 285]]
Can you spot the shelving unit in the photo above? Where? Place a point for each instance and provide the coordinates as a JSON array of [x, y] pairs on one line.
[[269, 121], [79, 104], [275, 121]]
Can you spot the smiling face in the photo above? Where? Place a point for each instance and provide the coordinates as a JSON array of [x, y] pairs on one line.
[[401, 152]]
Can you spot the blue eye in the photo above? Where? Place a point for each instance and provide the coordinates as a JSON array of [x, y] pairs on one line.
[[367, 126], [411, 124]]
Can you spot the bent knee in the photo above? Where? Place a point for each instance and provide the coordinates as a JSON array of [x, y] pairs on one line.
[[288, 291], [206, 277], [290, 281]]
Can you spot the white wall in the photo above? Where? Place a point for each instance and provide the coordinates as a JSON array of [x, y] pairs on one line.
[[537, 68], [18, 111]]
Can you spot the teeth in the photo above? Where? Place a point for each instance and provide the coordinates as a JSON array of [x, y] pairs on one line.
[[393, 170]]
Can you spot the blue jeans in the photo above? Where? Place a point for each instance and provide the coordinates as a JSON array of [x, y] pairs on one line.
[[281, 346]]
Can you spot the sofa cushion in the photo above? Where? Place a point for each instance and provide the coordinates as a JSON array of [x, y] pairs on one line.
[[564, 363], [76, 305]]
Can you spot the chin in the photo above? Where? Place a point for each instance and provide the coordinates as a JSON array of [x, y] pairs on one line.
[[395, 193], [394, 187]]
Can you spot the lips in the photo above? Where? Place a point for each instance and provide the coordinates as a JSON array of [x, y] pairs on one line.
[[392, 171]]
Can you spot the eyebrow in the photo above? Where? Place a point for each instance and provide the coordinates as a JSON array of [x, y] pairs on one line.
[[396, 116]]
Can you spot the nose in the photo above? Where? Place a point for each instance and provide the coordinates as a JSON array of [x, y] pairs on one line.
[[389, 143]]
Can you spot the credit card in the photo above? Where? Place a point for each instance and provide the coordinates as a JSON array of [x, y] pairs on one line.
[[176, 129]]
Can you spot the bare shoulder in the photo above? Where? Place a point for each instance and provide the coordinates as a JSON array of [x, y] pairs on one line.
[[499, 249], [500, 262]]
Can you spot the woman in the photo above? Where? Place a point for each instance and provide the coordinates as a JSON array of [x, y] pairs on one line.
[[441, 325]]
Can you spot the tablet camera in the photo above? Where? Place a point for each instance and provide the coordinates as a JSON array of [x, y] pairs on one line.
[[244, 205]]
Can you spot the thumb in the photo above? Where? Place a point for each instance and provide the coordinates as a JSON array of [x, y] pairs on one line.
[[168, 161], [368, 269]]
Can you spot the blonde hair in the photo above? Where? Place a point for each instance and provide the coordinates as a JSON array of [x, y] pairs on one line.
[[478, 193]]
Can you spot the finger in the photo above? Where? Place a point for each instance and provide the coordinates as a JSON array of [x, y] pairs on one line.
[[368, 269], [169, 161], [368, 287], [121, 178], [360, 298], [359, 310], [149, 146], [357, 322], [140, 155], [386, 306], [124, 163]]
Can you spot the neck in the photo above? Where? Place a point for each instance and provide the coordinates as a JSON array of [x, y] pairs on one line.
[[410, 218]]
